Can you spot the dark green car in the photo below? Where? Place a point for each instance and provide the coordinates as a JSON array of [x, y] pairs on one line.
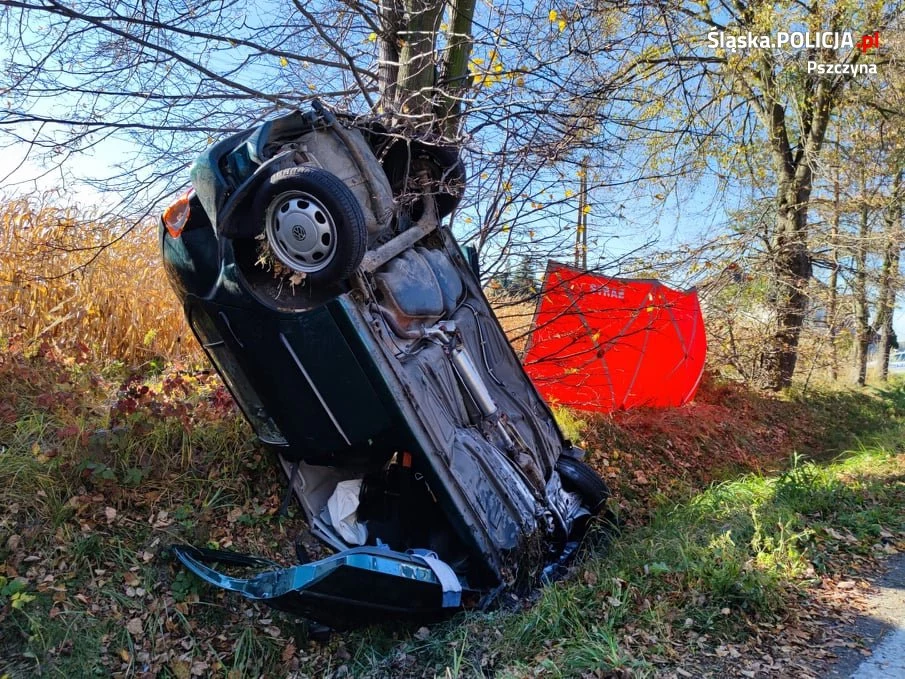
[[314, 268]]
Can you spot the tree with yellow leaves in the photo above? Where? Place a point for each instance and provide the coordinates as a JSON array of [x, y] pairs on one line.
[[733, 90]]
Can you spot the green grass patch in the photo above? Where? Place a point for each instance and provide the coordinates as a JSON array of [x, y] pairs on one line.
[[732, 556], [96, 479], [571, 425]]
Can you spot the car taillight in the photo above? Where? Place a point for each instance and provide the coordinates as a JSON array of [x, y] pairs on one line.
[[176, 215]]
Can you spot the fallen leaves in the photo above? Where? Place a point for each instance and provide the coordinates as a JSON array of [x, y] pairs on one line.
[[135, 627], [288, 653], [123, 532], [181, 669]]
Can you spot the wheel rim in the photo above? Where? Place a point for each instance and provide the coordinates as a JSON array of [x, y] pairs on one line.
[[301, 232]]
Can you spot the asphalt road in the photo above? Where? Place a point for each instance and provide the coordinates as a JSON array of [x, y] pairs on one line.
[[882, 628]]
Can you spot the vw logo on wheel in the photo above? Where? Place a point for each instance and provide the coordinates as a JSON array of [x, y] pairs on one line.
[[298, 232]]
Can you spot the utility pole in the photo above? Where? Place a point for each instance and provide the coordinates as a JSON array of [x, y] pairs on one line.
[[581, 232]]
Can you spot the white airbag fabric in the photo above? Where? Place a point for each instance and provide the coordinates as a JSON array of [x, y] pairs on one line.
[[343, 510]]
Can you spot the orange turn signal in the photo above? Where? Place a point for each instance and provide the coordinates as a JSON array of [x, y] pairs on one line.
[[176, 216]]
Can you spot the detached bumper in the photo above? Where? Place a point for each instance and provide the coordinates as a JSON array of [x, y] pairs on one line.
[[355, 587]]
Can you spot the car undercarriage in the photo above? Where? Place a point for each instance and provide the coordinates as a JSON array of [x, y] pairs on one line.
[[315, 269]]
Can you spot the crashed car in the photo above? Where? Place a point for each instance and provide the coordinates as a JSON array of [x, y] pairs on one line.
[[315, 269]]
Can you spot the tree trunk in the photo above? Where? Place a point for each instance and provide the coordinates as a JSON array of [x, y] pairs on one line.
[[833, 282], [791, 273], [390, 13], [888, 300], [455, 80], [889, 274], [862, 310], [417, 62], [422, 87], [790, 257]]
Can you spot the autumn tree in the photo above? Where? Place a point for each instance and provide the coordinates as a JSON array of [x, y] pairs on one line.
[[890, 283], [857, 235], [77, 73], [150, 85], [886, 103], [716, 108]]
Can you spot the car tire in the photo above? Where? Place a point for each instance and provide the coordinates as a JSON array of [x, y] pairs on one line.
[[578, 477], [308, 203]]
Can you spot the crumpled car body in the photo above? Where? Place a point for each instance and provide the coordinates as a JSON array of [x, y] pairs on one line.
[[314, 269]]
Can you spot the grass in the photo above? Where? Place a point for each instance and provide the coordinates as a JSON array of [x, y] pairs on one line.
[[718, 564], [740, 510], [727, 528], [571, 425], [97, 479]]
